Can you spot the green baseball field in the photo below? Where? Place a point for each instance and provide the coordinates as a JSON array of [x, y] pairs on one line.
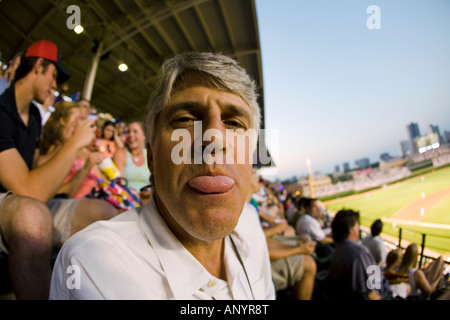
[[420, 205]]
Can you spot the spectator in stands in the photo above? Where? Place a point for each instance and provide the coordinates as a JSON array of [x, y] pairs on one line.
[[288, 203], [190, 240], [63, 94], [423, 282], [85, 108], [132, 160], [29, 229], [59, 129], [296, 211], [300, 204], [291, 262], [308, 224], [270, 207], [293, 267], [347, 277], [375, 244], [107, 144], [269, 213], [10, 72], [398, 282], [121, 130], [261, 195], [291, 207]]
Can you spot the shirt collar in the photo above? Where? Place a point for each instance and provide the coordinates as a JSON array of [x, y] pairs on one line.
[[184, 273], [9, 101]]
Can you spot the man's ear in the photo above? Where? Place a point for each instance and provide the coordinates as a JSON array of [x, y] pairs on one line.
[[38, 66]]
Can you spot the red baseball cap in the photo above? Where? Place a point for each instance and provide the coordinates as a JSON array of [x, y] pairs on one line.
[[48, 50]]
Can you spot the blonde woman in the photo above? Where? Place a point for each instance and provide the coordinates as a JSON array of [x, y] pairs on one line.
[[58, 129], [397, 281], [132, 160], [423, 282]]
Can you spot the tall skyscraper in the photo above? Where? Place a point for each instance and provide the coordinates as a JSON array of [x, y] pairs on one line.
[[413, 133], [435, 129], [346, 166], [362, 163], [447, 136]]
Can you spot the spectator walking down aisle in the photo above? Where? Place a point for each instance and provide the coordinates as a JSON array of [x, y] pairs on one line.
[[190, 241], [29, 229]]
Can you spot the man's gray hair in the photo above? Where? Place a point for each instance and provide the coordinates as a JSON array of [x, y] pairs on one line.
[[224, 72]]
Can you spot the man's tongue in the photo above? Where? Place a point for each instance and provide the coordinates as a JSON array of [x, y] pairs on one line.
[[211, 184]]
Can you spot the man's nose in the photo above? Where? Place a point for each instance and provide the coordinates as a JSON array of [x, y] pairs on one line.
[[213, 122], [214, 131]]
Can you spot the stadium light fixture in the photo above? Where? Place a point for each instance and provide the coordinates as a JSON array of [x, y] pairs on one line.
[[123, 67], [78, 29]]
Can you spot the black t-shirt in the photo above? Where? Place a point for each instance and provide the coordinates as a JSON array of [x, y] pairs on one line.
[[14, 133]]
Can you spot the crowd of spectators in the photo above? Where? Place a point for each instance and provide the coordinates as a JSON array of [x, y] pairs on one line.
[[50, 151], [372, 179], [344, 260], [442, 151], [441, 156]]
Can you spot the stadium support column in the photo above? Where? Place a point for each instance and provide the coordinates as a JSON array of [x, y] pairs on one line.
[[90, 77]]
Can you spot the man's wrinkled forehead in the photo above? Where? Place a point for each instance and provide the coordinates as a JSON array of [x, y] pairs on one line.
[[235, 103], [193, 78]]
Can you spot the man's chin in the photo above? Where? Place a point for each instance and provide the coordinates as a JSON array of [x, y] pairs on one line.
[[216, 228]]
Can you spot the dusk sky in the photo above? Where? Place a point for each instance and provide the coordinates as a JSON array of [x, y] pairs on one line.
[[337, 91]]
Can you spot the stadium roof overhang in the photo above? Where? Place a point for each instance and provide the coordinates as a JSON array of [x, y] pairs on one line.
[[141, 33]]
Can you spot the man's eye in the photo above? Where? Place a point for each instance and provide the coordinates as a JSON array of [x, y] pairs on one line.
[[184, 119], [235, 124]]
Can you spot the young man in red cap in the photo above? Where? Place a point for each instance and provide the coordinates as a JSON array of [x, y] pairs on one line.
[[28, 228]]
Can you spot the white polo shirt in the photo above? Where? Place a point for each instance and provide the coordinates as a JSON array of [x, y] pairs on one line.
[[136, 256], [308, 225]]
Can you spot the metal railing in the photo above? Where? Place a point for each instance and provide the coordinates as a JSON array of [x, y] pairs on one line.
[[422, 257]]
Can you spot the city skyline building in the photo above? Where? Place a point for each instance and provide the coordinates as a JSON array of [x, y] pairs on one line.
[[362, 163], [413, 133], [346, 166], [435, 129]]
